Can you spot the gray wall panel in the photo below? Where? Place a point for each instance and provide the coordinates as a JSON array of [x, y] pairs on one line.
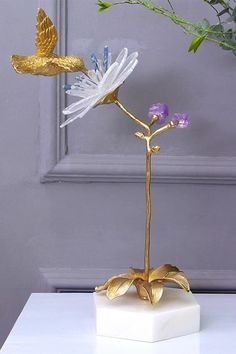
[[49, 233]]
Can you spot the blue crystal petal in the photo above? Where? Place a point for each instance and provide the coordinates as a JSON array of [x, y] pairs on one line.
[[94, 61], [105, 58], [67, 87]]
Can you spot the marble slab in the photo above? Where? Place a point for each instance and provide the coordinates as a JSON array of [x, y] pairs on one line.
[[128, 317]]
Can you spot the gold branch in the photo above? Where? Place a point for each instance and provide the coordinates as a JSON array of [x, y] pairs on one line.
[[149, 282], [135, 119], [150, 150], [162, 129]]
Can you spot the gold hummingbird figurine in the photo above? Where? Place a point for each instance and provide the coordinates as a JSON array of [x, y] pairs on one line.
[[45, 62]]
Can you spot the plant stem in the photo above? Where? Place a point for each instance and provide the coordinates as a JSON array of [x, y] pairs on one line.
[[171, 6], [148, 213], [188, 26]]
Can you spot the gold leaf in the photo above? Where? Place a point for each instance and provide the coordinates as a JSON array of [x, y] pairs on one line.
[[144, 290], [118, 286], [179, 278], [161, 272], [157, 291], [149, 291], [136, 270], [137, 273], [107, 283]]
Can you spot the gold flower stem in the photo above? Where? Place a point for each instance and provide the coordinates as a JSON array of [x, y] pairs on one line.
[[162, 129], [148, 212], [147, 186], [149, 282], [148, 138], [135, 119]]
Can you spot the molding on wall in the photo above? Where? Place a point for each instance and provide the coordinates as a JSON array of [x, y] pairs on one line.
[[57, 165], [131, 168], [52, 99], [88, 278]]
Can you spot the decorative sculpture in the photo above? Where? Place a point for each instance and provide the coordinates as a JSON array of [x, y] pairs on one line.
[[101, 86], [45, 62], [95, 87]]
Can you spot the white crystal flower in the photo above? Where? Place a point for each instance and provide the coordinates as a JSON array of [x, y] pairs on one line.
[[100, 82]]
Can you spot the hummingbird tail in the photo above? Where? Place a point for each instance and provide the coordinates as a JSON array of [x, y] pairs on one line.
[[18, 62]]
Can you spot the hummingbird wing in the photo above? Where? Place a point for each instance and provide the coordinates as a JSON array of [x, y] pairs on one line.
[[46, 35]]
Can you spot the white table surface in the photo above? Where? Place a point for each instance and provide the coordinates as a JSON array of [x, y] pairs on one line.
[[65, 324]]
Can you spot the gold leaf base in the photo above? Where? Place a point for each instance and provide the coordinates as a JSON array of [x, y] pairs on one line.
[[149, 287]]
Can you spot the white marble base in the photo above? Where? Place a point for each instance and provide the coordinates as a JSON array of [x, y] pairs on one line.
[[128, 317]]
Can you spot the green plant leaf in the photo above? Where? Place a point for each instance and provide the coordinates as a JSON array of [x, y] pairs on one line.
[[229, 34], [234, 14], [103, 5], [222, 33], [205, 23], [217, 32], [217, 28], [195, 44]]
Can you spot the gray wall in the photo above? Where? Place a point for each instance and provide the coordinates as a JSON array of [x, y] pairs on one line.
[[74, 234]]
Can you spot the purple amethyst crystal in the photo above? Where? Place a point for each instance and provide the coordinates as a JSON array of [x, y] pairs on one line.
[[160, 110], [181, 120]]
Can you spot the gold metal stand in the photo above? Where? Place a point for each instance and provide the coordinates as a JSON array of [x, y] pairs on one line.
[[149, 282]]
